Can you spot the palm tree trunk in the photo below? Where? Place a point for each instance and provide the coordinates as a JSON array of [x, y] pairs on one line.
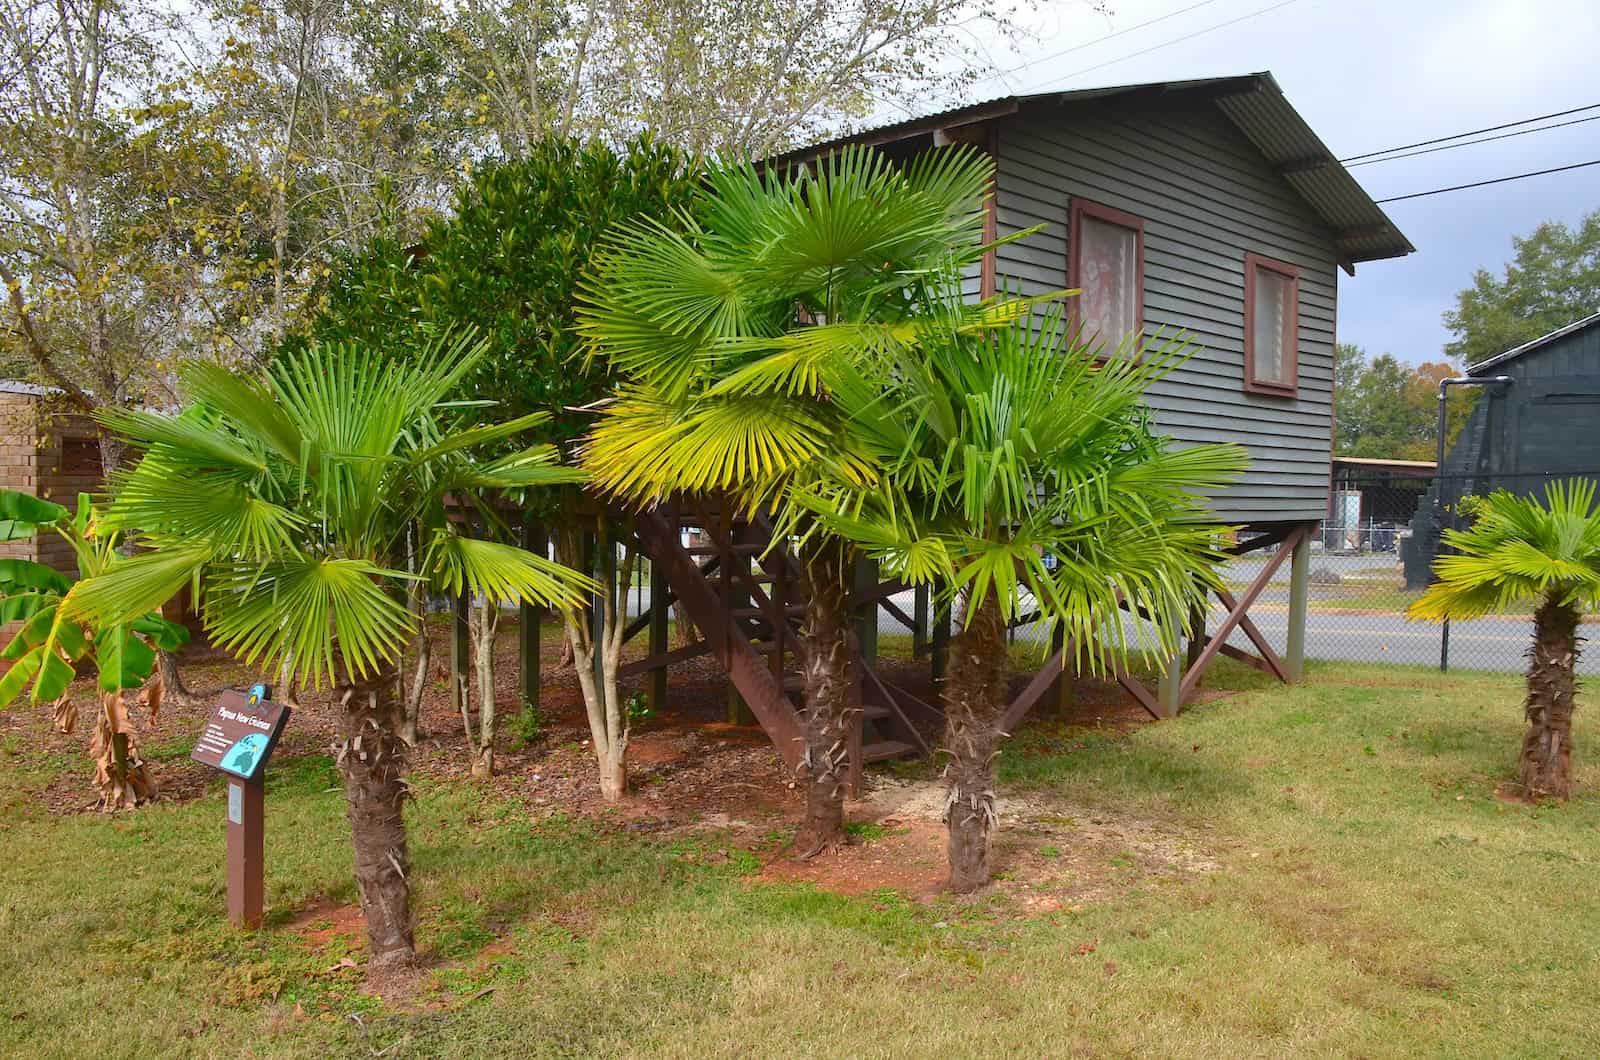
[[973, 702], [825, 672], [1552, 687], [372, 758]]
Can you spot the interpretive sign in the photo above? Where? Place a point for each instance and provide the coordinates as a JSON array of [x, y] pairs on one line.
[[241, 733], [238, 738]]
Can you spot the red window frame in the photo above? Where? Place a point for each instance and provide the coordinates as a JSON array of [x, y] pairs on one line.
[[1288, 386], [1081, 208]]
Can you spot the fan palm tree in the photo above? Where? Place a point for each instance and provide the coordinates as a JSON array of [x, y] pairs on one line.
[[730, 337], [289, 499], [1520, 549], [1022, 474]]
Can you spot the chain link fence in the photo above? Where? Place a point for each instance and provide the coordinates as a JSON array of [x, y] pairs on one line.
[[1366, 569]]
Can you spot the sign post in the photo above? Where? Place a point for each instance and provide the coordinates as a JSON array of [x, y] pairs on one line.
[[237, 740]]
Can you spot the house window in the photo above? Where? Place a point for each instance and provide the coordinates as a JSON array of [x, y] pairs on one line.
[[1271, 326], [1106, 262]]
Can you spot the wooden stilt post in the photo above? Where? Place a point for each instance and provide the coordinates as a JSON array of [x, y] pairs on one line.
[[1294, 656], [1168, 689], [656, 685], [734, 561], [919, 621], [939, 645], [866, 582], [460, 652], [1063, 689], [530, 616], [1197, 635]]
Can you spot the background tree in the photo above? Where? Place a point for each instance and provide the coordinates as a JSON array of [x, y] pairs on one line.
[[1552, 279], [1387, 410], [290, 499], [49, 648], [733, 339], [507, 259], [1021, 475], [1520, 549], [737, 79]]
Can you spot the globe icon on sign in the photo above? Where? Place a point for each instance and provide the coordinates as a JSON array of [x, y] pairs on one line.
[[243, 757]]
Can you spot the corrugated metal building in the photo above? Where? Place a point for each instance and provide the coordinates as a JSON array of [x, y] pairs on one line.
[[1541, 426]]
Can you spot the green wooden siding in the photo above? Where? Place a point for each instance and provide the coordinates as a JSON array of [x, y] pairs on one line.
[[1207, 198]]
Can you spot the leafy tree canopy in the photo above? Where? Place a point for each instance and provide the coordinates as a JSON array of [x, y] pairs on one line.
[[1386, 410], [1553, 279], [507, 260]]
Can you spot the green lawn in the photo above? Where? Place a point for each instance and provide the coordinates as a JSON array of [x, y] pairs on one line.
[[1370, 896]]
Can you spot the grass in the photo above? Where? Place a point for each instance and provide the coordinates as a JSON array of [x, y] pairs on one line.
[[1371, 896]]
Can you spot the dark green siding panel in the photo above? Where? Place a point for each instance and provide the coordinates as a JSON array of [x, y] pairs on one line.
[[1207, 198]]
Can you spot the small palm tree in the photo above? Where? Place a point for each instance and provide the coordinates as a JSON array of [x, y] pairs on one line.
[[291, 500], [1022, 474], [1520, 549], [732, 338]]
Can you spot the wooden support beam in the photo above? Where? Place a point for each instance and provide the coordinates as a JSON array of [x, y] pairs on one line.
[[865, 600], [939, 645], [460, 652], [1042, 682], [745, 667], [919, 621], [1269, 658], [1231, 622], [657, 662], [660, 611], [1299, 597], [905, 699], [529, 618], [886, 698]]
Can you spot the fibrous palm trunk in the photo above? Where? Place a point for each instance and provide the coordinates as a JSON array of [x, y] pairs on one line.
[[1552, 686], [372, 759], [825, 673], [973, 702]]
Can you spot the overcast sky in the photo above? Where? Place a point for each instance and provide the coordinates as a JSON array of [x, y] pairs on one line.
[[1372, 74]]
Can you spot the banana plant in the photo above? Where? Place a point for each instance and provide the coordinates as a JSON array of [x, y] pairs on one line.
[[49, 650]]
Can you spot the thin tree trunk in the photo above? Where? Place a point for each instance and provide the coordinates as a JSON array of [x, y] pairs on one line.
[[372, 759], [825, 673], [421, 648], [609, 725], [176, 690], [973, 702], [485, 624], [1552, 688]]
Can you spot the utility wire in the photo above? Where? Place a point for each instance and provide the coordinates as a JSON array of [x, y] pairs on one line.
[[1176, 40], [1480, 140], [1485, 183], [1108, 36], [1471, 132]]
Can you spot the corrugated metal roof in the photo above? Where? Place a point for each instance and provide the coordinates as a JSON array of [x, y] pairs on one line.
[[1533, 344], [1253, 102]]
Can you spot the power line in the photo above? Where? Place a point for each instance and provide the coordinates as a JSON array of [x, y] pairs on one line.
[[1176, 40], [1481, 140], [1485, 183], [1471, 132], [1108, 36]]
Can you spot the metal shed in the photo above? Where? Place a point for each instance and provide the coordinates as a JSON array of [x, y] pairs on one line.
[[1541, 426]]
